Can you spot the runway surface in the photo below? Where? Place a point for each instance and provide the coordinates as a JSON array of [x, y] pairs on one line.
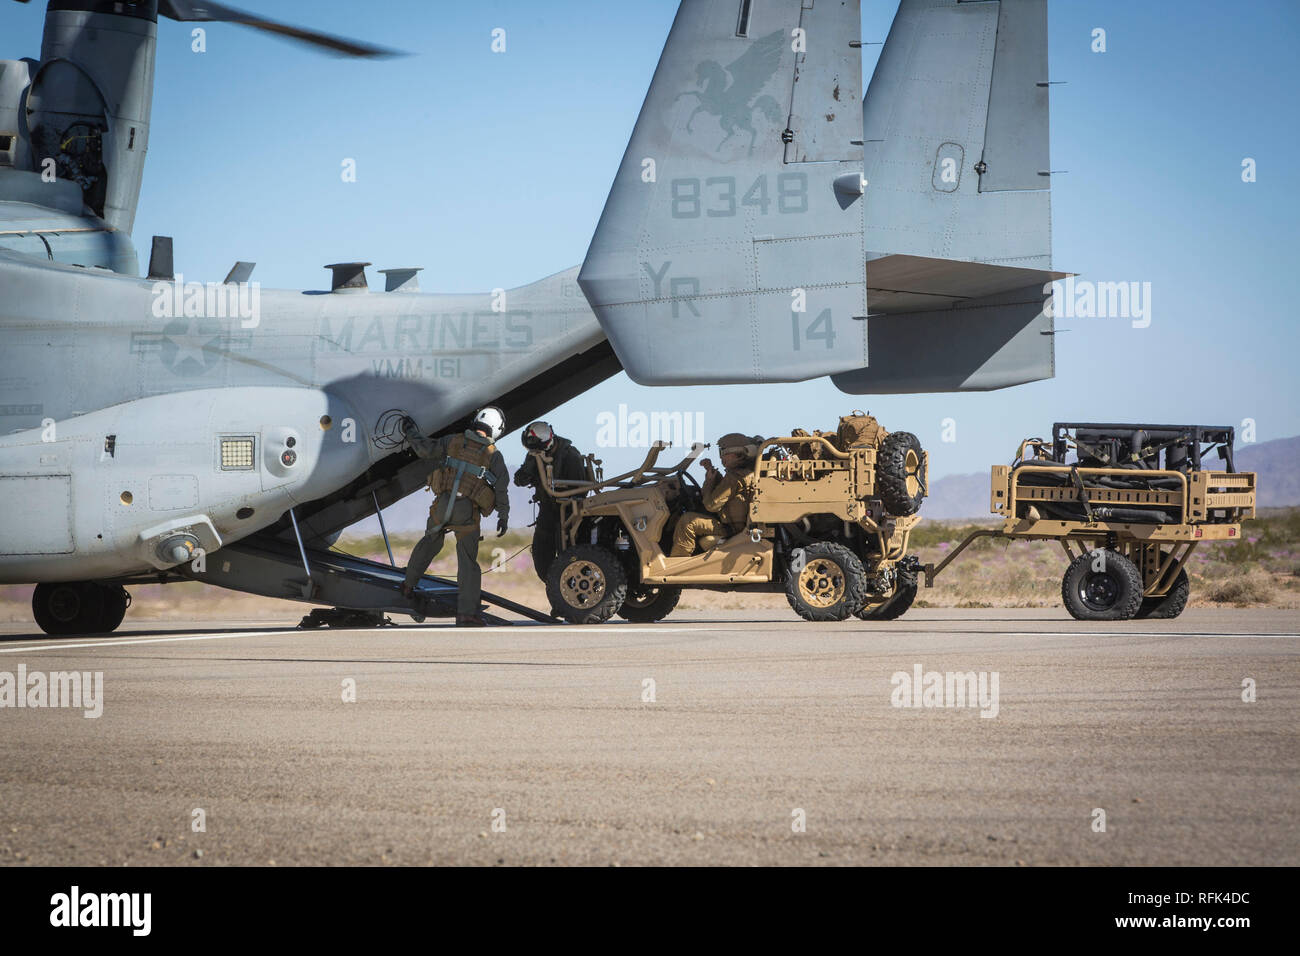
[[539, 745]]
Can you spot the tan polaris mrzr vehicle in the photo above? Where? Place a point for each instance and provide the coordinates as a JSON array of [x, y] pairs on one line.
[[829, 519]]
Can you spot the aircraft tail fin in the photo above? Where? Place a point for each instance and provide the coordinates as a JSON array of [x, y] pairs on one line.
[[959, 238], [731, 246], [956, 127]]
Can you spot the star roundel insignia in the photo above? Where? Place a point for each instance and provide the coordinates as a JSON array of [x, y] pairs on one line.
[[191, 346]]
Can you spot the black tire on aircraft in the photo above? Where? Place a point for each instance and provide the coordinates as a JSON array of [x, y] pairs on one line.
[[829, 585], [899, 474], [1102, 586], [587, 584], [64, 608], [1169, 606], [116, 601], [646, 604]]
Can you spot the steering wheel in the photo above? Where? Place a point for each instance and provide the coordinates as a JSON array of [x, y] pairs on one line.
[[692, 497]]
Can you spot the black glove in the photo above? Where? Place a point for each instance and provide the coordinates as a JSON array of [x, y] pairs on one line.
[[501, 526]]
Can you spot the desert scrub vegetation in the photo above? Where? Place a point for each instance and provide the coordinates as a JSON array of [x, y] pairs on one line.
[[1262, 567]]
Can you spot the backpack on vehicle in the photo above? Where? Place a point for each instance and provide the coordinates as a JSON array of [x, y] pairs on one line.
[[857, 430]]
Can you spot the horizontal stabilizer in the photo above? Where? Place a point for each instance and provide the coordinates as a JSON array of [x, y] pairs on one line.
[[731, 246], [920, 284], [976, 345]]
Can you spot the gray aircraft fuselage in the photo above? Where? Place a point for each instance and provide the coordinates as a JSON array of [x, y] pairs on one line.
[[143, 421], [116, 394]]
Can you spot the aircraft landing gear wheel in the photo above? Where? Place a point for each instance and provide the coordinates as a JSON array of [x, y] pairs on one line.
[[1102, 586], [79, 607], [897, 604], [829, 585], [646, 604], [116, 600], [1169, 606], [587, 584]]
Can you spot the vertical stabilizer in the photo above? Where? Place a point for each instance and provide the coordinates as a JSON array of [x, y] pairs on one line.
[[731, 246]]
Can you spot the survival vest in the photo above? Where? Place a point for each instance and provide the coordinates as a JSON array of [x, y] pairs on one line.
[[466, 470]]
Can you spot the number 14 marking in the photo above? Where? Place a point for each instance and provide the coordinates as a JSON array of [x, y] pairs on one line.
[[820, 329]]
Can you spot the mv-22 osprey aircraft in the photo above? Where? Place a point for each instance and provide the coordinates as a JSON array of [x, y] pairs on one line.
[[207, 442]]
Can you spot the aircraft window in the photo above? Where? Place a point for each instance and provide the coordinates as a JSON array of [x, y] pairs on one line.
[[742, 24], [237, 454]]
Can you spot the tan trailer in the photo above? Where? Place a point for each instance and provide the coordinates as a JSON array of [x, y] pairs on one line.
[[1127, 524]]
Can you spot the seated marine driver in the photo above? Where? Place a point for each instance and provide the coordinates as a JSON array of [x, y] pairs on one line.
[[726, 496]]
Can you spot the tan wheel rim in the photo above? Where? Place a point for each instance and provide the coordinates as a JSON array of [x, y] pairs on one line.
[[582, 584], [821, 583], [912, 468]]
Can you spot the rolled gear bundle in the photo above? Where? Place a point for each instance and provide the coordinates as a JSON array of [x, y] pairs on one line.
[[814, 450]]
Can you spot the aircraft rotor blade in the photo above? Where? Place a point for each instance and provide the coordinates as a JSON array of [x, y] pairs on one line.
[[189, 11]]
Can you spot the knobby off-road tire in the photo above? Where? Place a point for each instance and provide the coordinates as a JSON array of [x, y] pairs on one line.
[[899, 468], [1112, 593], [897, 604], [587, 584], [1169, 606], [646, 604], [829, 586]]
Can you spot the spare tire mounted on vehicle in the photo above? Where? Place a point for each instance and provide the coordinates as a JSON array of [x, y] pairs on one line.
[[900, 473]]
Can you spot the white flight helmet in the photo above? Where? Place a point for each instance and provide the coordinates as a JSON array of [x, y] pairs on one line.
[[490, 418], [538, 437]]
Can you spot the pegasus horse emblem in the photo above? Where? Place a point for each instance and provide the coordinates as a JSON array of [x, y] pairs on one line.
[[734, 103]]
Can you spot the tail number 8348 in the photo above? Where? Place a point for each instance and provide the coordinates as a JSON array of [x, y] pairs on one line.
[[716, 196]]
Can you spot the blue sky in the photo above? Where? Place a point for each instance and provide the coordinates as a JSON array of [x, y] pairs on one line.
[[491, 170]]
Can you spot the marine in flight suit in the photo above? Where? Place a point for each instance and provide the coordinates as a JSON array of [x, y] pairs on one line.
[[469, 482]]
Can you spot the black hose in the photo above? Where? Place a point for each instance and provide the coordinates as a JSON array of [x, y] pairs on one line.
[[1072, 512]]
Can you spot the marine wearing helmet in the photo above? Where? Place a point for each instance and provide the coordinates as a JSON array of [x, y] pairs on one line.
[[469, 483], [567, 464], [727, 497]]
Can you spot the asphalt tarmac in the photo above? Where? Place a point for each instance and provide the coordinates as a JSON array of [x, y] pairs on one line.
[[721, 738]]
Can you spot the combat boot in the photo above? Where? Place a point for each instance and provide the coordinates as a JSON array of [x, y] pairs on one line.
[[470, 620]]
